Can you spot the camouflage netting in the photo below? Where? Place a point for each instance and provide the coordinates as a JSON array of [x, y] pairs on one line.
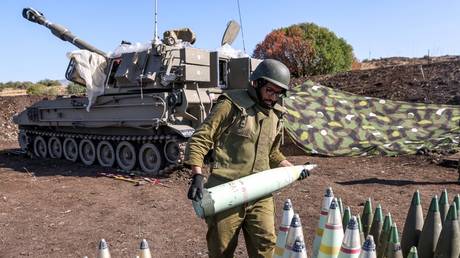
[[330, 122]]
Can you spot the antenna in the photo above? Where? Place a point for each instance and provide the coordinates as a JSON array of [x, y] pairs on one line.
[[155, 36], [241, 22]]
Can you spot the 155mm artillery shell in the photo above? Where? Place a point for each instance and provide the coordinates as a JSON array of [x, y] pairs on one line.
[[246, 189]]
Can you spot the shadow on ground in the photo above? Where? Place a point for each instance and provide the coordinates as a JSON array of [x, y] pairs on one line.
[[18, 161], [375, 180]]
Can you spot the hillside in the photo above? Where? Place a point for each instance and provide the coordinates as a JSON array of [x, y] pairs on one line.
[[426, 80]]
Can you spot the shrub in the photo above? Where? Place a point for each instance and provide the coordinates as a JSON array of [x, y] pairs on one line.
[[54, 90], [37, 89], [307, 49], [40, 89], [76, 89], [48, 82], [16, 85]]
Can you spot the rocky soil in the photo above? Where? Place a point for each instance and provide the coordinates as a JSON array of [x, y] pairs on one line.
[[9, 106], [435, 80]]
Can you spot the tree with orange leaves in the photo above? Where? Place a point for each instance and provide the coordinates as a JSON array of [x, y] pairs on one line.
[[306, 49]]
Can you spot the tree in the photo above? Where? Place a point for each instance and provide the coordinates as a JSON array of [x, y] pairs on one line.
[[306, 49], [48, 82], [37, 89], [16, 85]]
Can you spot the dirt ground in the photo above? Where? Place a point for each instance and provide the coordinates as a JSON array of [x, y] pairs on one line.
[[55, 208]]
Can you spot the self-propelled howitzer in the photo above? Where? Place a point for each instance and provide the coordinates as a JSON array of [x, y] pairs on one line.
[[142, 104]]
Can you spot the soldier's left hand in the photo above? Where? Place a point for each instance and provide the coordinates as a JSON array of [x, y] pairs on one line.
[[195, 192]]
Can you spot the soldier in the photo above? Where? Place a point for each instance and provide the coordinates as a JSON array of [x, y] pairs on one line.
[[243, 131]]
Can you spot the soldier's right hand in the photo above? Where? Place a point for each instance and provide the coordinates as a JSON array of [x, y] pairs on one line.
[[304, 174], [195, 192]]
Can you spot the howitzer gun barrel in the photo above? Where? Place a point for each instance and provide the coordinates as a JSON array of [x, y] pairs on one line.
[[59, 30]]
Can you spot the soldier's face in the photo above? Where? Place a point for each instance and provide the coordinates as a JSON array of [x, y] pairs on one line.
[[270, 94]]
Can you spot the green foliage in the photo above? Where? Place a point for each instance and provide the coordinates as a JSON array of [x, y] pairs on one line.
[[76, 89], [15, 85], [48, 82], [37, 89], [43, 87], [307, 49], [40, 89], [54, 90]]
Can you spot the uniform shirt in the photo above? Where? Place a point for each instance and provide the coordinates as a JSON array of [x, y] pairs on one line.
[[245, 137]]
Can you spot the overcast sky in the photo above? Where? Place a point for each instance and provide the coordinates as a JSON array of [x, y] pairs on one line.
[[374, 29]]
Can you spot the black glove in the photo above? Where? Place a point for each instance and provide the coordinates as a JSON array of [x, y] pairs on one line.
[[304, 174], [195, 192]]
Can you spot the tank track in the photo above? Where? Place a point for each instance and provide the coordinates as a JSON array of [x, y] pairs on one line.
[[157, 140]]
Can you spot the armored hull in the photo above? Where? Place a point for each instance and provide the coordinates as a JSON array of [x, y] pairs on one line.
[[125, 130]]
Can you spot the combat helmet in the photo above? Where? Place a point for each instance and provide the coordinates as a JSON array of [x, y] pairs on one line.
[[273, 71]]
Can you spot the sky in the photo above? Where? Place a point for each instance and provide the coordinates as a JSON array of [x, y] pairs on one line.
[[375, 29]]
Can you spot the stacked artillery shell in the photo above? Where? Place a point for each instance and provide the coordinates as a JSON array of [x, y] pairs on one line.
[[449, 241], [360, 227], [384, 236], [413, 252], [328, 196], [351, 244], [377, 223], [333, 233], [295, 232], [288, 213], [413, 226], [103, 250], [368, 250], [443, 205], [366, 217], [340, 204], [431, 231], [346, 217], [394, 246], [457, 205], [298, 250], [144, 250]]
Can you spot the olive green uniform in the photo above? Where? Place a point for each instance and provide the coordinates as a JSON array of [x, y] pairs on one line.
[[245, 139]]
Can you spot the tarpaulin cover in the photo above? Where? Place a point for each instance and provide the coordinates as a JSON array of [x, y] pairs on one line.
[[90, 67], [330, 122]]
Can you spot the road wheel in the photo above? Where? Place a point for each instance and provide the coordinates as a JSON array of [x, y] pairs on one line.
[[126, 155], [40, 148], [150, 159], [105, 154], [23, 140], [55, 147], [87, 152], [171, 151], [70, 149]]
